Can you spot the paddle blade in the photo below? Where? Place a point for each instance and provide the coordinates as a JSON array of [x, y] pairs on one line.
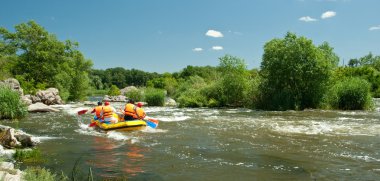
[[152, 123], [92, 124], [82, 111]]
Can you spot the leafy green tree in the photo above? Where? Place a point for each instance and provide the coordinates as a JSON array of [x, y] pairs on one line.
[[234, 82], [295, 73], [44, 60], [114, 91]]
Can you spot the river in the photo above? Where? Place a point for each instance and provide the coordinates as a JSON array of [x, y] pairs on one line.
[[213, 144]]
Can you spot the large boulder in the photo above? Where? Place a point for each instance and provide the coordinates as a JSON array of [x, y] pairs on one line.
[[49, 97], [8, 139], [9, 173], [11, 138], [13, 84], [27, 99], [128, 89], [119, 98], [170, 102], [41, 107]]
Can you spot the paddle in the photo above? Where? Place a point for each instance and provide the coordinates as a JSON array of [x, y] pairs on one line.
[[82, 111], [153, 123]]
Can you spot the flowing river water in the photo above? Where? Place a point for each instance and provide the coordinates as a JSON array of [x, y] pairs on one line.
[[213, 144]]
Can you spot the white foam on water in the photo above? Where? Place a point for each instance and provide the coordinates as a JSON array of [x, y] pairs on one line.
[[119, 136], [39, 139], [365, 158], [174, 118], [326, 127], [153, 130], [350, 119]]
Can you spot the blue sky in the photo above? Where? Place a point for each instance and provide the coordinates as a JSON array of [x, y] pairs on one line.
[[167, 35]]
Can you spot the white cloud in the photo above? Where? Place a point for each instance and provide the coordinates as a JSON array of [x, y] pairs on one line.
[[307, 19], [373, 28], [328, 14], [217, 48], [213, 33], [197, 49]]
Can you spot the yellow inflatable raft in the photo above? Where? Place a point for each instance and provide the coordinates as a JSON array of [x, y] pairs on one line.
[[124, 125]]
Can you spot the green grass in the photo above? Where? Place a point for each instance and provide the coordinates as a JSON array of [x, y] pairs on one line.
[[42, 174], [11, 106], [28, 156], [154, 97]]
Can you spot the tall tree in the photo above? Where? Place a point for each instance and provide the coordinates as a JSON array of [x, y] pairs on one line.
[[295, 73]]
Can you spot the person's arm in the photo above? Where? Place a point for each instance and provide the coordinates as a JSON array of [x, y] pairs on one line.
[[93, 110]]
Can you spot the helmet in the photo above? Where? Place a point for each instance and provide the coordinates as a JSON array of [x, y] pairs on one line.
[[131, 101], [99, 103], [107, 103], [140, 104]]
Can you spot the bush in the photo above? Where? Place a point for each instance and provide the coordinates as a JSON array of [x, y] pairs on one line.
[[114, 91], [192, 98], [135, 95], [155, 97], [11, 106], [350, 94], [41, 174], [28, 156]]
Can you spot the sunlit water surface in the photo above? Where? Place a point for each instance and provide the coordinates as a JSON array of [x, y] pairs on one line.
[[213, 144]]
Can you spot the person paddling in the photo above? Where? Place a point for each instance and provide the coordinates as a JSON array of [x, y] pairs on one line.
[[132, 112], [97, 110], [107, 113]]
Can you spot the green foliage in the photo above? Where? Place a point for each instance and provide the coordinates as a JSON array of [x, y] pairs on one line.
[[44, 61], [154, 97], [42, 174], [350, 94], [367, 73], [207, 72], [11, 106], [193, 99], [294, 73], [166, 82], [136, 95], [96, 92], [114, 91], [234, 82], [190, 92], [28, 156]]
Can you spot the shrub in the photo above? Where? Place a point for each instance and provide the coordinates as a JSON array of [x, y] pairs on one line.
[[114, 91], [155, 97], [28, 156], [192, 98], [11, 106], [350, 94], [135, 95], [41, 174]]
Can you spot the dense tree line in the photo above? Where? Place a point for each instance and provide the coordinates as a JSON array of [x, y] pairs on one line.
[[294, 74]]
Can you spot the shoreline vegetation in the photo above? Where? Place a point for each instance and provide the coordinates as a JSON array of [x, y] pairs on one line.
[[295, 74]]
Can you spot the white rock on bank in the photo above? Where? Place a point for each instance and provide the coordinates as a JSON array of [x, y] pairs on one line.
[[9, 173], [41, 107]]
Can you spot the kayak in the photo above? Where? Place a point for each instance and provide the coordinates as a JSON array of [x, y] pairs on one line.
[[121, 124]]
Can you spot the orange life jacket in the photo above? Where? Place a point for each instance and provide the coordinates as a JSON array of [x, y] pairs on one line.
[[134, 111], [98, 110], [107, 112]]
